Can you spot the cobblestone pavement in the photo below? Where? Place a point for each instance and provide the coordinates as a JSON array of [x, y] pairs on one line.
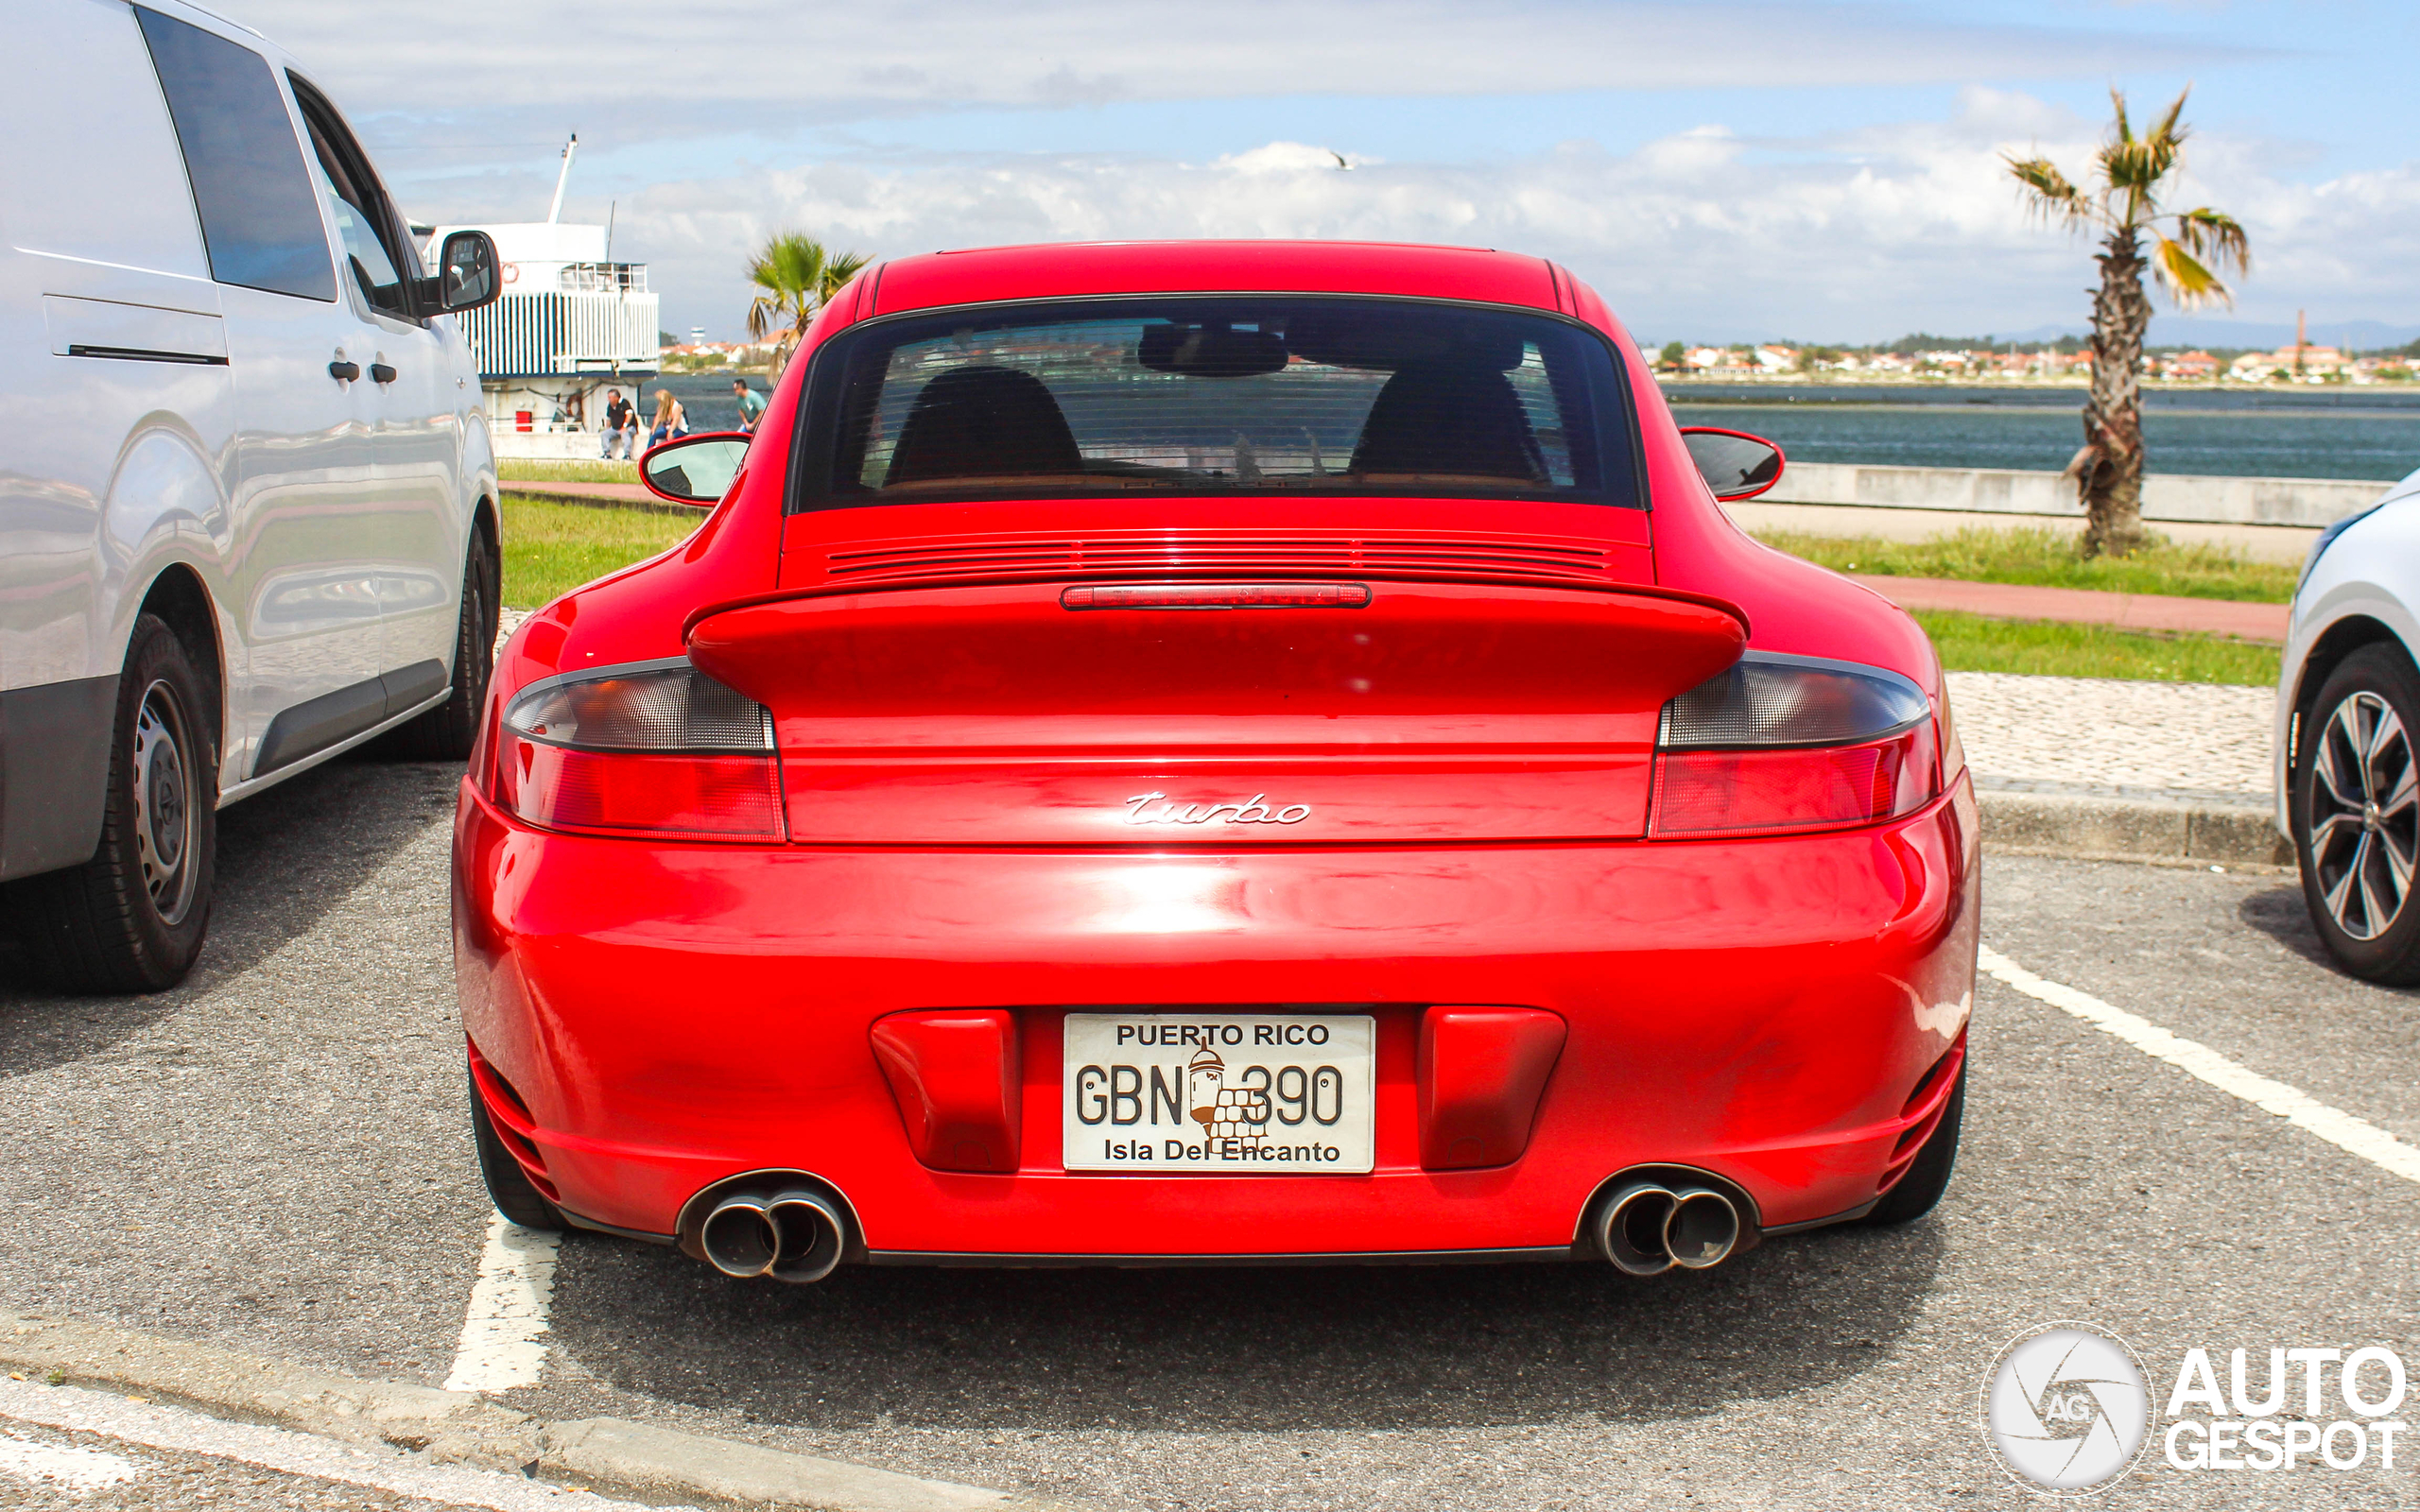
[[2204, 741]]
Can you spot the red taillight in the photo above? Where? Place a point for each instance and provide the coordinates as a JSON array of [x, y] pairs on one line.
[[1790, 743], [659, 751], [1737, 792]]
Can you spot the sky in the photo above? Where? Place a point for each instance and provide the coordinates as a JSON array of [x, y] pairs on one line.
[[1719, 170]]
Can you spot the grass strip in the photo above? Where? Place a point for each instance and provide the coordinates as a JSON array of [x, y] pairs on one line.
[[2047, 558], [551, 470], [550, 548], [1970, 643]]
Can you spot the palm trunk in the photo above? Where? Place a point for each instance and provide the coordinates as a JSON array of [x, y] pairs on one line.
[[2110, 469]]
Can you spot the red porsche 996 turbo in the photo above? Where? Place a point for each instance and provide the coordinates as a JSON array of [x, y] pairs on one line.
[[1214, 753]]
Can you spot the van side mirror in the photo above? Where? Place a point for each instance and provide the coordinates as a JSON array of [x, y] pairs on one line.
[[695, 469], [468, 272], [1735, 464]]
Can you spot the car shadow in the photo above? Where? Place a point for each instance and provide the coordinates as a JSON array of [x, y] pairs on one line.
[[1371, 1347], [2281, 914], [285, 858]]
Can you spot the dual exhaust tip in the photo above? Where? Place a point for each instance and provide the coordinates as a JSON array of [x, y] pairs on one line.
[[794, 1237], [1648, 1230]]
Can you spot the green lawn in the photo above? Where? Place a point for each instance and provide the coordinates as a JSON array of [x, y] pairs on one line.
[[595, 470], [550, 549], [2048, 558], [1970, 643]]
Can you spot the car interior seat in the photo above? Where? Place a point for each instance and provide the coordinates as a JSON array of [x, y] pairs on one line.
[[983, 422], [1458, 419]]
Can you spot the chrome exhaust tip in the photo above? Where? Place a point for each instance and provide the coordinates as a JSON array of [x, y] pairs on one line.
[[1631, 1233], [1702, 1229], [740, 1237], [807, 1238]]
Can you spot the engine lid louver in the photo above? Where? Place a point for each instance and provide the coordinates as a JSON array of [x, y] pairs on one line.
[[1012, 559]]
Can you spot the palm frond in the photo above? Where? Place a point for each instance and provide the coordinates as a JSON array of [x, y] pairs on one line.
[[2215, 236], [2188, 283], [2124, 133], [838, 270], [2047, 193], [797, 274], [2169, 126]]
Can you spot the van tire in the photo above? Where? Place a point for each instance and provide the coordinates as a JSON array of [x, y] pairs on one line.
[[132, 918], [446, 733]]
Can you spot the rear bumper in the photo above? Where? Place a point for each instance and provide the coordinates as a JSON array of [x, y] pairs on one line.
[[672, 1016]]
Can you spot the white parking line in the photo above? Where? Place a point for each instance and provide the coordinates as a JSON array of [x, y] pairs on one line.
[[81, 1470], [282, 1450], [504, 1338], [2354, 1136]]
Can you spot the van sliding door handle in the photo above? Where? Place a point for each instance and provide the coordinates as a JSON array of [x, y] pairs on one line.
[[380, 372], [343, 371]]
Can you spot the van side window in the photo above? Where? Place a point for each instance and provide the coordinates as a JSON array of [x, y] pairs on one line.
[[260, 221], [374, 253]]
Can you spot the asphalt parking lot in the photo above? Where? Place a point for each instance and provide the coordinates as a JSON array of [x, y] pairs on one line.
[[273, 1158]]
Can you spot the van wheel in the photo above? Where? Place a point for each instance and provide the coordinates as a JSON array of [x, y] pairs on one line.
[[446, 733], [131, 919]]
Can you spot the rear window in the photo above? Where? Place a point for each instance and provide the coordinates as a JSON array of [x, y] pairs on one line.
[[1217, 396]]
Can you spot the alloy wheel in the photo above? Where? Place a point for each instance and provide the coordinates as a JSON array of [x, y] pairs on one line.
[[164, 802], [2365, 815]]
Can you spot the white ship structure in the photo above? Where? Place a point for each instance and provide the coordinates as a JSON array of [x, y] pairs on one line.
[[572, 324]]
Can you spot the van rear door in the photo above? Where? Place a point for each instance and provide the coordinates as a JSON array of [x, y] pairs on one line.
[[303, 487]]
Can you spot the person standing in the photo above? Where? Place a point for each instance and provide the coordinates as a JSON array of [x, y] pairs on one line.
[[751, 405], [671, 420], [621, 425]]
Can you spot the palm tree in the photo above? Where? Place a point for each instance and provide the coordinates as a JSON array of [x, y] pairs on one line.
[[2124, 205], [797, 274]]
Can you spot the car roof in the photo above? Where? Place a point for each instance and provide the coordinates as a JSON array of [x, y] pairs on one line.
[[986, 275]]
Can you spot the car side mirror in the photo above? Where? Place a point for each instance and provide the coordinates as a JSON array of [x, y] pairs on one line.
[[1735, 464], [468, 272], [695, 469]]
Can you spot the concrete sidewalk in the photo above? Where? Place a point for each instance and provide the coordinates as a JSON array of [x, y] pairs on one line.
[[2172, 772]]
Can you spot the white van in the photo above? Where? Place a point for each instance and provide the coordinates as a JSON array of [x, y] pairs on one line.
[[247, 500]]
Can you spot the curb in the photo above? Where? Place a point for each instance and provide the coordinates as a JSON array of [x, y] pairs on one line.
[[2085, 827], [453, 1427]]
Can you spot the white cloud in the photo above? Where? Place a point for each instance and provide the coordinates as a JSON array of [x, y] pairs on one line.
[[700, 66], [1701, 234]]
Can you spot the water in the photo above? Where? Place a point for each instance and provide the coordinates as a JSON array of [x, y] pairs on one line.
[[2307, 433]]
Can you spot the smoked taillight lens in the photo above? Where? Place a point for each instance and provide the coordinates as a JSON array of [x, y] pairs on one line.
[[1778, 743], [655, 748]]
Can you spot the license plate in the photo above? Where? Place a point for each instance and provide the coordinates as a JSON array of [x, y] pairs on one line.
[[1238, 1094]]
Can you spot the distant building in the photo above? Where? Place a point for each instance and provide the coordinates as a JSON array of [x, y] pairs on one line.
[[2289, 361]]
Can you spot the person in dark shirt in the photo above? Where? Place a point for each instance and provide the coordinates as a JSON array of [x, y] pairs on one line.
[[621, 424]]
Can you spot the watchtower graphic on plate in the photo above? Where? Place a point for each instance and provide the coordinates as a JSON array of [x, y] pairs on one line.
[[1224, 1112]]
